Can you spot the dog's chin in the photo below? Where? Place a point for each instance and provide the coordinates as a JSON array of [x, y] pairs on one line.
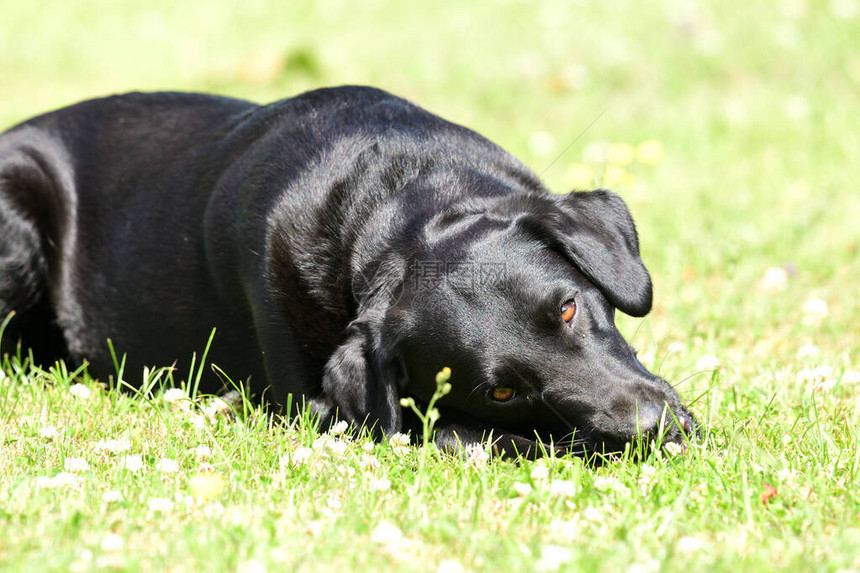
[[673, 439], [599, 447], [458, 429]]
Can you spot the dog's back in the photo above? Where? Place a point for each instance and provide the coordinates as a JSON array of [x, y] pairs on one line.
[[91, 238]]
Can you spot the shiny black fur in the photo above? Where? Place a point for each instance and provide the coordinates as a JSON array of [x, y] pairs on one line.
[[347, 245]]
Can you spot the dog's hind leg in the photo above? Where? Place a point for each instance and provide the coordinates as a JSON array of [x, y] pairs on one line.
[[24, 234], [22, 278]]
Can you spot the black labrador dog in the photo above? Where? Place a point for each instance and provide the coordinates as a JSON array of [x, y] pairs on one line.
[[347, 245]]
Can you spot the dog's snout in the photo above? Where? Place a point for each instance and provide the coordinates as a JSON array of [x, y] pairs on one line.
[[686, 424], [658, 421], [649, 418]]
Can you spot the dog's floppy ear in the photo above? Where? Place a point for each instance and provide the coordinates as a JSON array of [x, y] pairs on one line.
[[596, 232], [364, 381]]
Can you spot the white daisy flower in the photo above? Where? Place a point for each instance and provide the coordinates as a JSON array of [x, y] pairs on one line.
[[386, 534], [541, 143], [173, 395], [62, 479], [522, 489], [775, 279], [608, 484], [399, 443], [552, 557], [380, 484], [167, 466], [216, 408], [370, 462], [159, 504], [112, 496], [339, 428], [808, 351], [476, 456], [80, 391], [48, 432], [202, 452], [677, 347], [539, 472], [300, 456], [563, 488], [132, 462], [251, 566], [851, 377], [450, 566], [815, 310], [112, 542], [708, 362], [113, 445], [690, 544], [76, 465]]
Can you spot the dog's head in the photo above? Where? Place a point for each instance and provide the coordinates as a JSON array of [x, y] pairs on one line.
[[516, 295]]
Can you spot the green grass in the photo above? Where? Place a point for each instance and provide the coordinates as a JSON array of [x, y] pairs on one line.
[[756, 106]]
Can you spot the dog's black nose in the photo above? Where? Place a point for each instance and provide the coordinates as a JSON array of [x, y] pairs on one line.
[[687, 424]]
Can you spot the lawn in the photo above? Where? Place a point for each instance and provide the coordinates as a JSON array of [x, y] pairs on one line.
[[731, 129]]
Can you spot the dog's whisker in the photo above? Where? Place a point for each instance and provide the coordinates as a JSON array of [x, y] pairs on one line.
[[636, 332], [575, 139], [477, 388], [690, 377], [660, 359], [569, 438]]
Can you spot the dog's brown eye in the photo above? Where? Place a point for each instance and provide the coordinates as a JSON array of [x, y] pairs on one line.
[[568, 309], [503, 393]]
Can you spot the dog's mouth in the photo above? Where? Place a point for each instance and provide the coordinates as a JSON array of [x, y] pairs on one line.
[[679, 431]]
